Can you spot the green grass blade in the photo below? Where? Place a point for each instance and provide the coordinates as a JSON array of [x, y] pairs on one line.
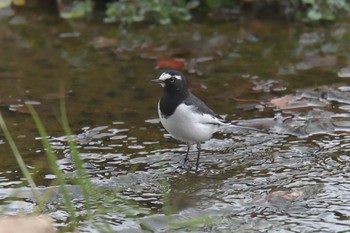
[[52, 158], [17, 155], [84, 181]]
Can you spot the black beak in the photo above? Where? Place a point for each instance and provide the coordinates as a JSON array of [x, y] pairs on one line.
[[157, 81]]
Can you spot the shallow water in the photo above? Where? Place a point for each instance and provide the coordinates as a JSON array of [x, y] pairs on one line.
[[271, 75]]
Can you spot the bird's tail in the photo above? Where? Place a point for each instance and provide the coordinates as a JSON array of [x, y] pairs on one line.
[[236, 124]]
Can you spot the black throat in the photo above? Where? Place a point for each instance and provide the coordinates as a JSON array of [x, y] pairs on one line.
[[170, 100]]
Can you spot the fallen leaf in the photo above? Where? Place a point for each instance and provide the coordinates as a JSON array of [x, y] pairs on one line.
[[28, 224], [283, 101], [176, 63]]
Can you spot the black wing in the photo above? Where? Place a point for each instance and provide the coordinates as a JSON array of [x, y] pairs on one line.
[[200, 106]]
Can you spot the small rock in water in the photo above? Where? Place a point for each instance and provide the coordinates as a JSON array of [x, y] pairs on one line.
[[280, 197], [285, 198], [18, 20], [344, 72]]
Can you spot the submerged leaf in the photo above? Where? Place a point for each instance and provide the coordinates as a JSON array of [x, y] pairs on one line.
[[29, 224], [283, 101], [177, 63]]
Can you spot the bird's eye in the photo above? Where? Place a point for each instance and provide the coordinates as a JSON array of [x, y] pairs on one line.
[[172, 79]]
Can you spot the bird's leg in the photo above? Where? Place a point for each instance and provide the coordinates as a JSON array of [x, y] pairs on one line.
[[199, 153], [186, 156]]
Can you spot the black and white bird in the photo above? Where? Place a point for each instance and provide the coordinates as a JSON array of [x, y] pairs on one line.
[[183, 115]]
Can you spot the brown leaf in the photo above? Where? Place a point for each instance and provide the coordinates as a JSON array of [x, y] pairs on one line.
[[28, 224], [283, 101], [176, 63]]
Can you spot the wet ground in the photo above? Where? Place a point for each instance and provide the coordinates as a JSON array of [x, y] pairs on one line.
[[288, 78]]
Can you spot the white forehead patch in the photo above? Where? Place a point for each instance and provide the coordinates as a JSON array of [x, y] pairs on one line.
[[164, 76]]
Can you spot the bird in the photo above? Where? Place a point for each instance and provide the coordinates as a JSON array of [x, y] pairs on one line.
[[184, 115]]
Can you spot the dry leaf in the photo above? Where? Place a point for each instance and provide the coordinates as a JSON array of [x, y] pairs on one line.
[[27, 224], [284, 101], [176, 63]]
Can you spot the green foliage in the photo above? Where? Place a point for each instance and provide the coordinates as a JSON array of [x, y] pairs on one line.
[[77, 9], [164, 11], [323, 9], [221, 3]]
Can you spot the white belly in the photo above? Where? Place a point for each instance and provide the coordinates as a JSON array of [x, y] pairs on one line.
[[188, 126]]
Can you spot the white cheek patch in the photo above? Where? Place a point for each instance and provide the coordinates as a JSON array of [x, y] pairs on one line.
[[165, 76]]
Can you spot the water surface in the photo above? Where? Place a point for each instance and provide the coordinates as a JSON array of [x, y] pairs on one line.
[[273, 75]]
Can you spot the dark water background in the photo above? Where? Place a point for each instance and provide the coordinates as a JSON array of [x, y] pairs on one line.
[[286, 77]]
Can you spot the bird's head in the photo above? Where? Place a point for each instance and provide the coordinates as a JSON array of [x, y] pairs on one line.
[[172, 81]]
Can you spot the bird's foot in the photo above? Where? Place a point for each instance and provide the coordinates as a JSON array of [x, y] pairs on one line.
[[186, 165]]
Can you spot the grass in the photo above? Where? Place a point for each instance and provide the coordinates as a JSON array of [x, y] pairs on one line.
[[90, 193], [52, 158], [95, 199], [16, 154]]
